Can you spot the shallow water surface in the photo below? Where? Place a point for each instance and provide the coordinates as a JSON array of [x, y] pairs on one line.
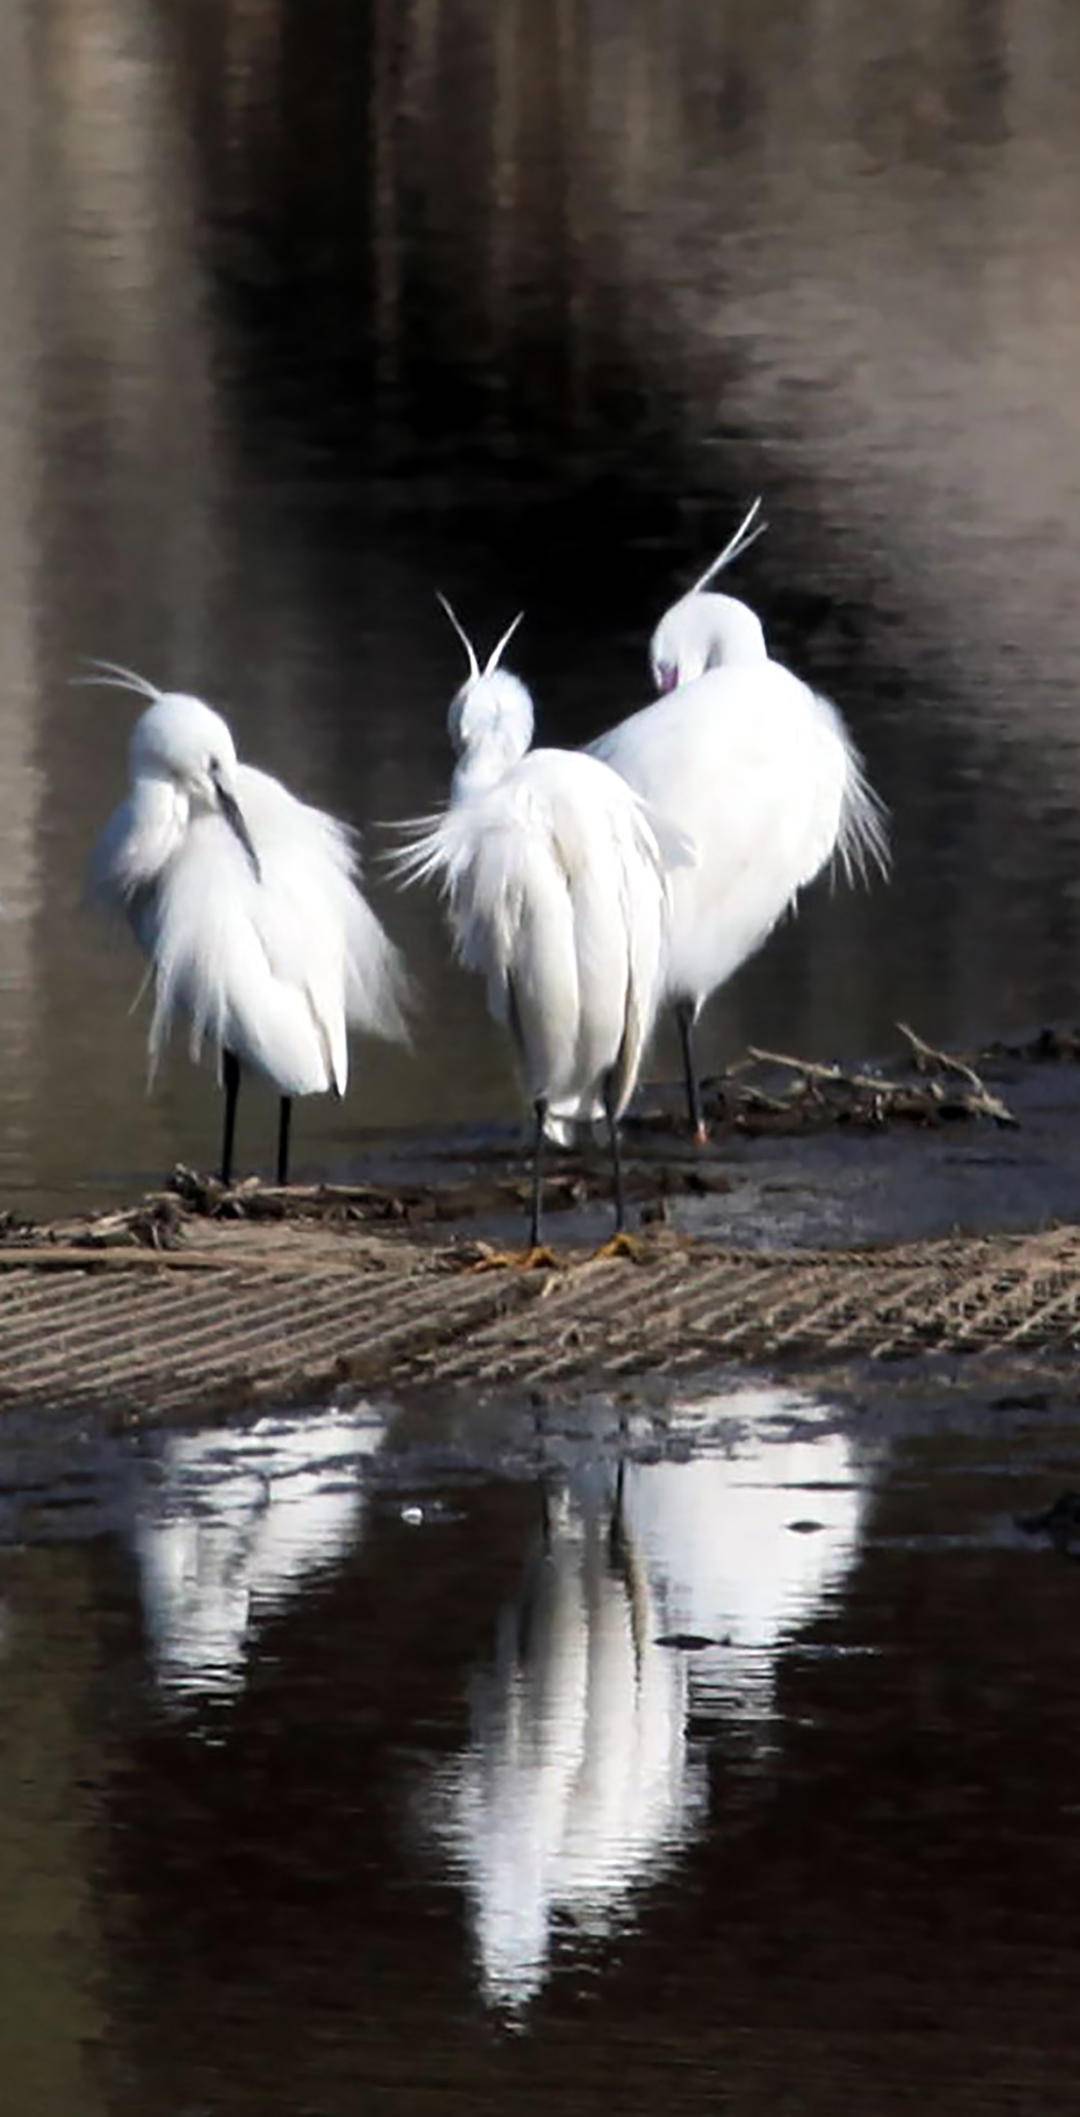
[[466, 1756], [309, 312]]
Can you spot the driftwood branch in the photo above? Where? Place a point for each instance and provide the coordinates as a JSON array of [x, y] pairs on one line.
[[945, 1084], [927, 1060], [815, 1070]]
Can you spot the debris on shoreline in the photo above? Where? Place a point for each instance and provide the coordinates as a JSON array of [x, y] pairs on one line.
[[874, 1238], [1054, 1046], [765, 1094], [772, 1092]]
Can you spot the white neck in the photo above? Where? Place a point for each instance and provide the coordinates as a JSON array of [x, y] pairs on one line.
[[485, 762]]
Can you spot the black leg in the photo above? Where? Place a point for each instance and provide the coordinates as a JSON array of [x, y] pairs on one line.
[[541, 1480], [684, 1015], [284, 1121], [617, 1524], [230, 1074], [616, 1154], [540, 1111]]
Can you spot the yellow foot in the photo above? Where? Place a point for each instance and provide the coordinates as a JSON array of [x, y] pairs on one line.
[[537, 1258], [623, 1245]]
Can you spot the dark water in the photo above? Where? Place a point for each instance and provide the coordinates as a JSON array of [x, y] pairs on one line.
[[308, 308], [674, 1755], [342, 1765]]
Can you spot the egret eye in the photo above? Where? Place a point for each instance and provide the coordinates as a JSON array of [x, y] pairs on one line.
[[213, 766]]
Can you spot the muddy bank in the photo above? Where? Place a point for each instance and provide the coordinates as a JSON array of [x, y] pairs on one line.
[[800, 1156], [835, 1216]]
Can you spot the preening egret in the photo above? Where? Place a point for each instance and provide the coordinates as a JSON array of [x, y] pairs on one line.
[[762, 774], [555, 878], [247, 903]]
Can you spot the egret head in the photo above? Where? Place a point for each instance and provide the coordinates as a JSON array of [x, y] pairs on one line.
[[490, 721], [704, 632], [181, 739], [709, 631], [185, 743]]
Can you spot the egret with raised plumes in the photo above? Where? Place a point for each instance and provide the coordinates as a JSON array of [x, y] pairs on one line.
[[555, 876], [248, 904], [758, 769]]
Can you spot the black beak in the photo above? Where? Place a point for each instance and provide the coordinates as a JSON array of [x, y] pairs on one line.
[[230, 809]]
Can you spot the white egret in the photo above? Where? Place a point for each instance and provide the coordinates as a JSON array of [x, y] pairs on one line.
[[759, 769], [247, 903], [555, 876]]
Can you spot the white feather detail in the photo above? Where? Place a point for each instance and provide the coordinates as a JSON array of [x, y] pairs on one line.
[[862, 841], [273, 966], [557, 895], [763, 775]]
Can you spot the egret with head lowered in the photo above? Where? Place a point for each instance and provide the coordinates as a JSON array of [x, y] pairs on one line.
[[247, 903], [555, 877], [761, 772]]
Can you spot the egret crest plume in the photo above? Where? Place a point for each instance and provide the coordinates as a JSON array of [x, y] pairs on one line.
[[474, 666], [117, 678], [748, 532], [494, 657], [497, 651]]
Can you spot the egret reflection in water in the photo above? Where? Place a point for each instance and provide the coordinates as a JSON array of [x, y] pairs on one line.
[[241, 1521], [652, 1589]]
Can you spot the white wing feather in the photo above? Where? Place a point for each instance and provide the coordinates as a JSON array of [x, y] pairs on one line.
[[272, 967], [556, 891], [762, 775]]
